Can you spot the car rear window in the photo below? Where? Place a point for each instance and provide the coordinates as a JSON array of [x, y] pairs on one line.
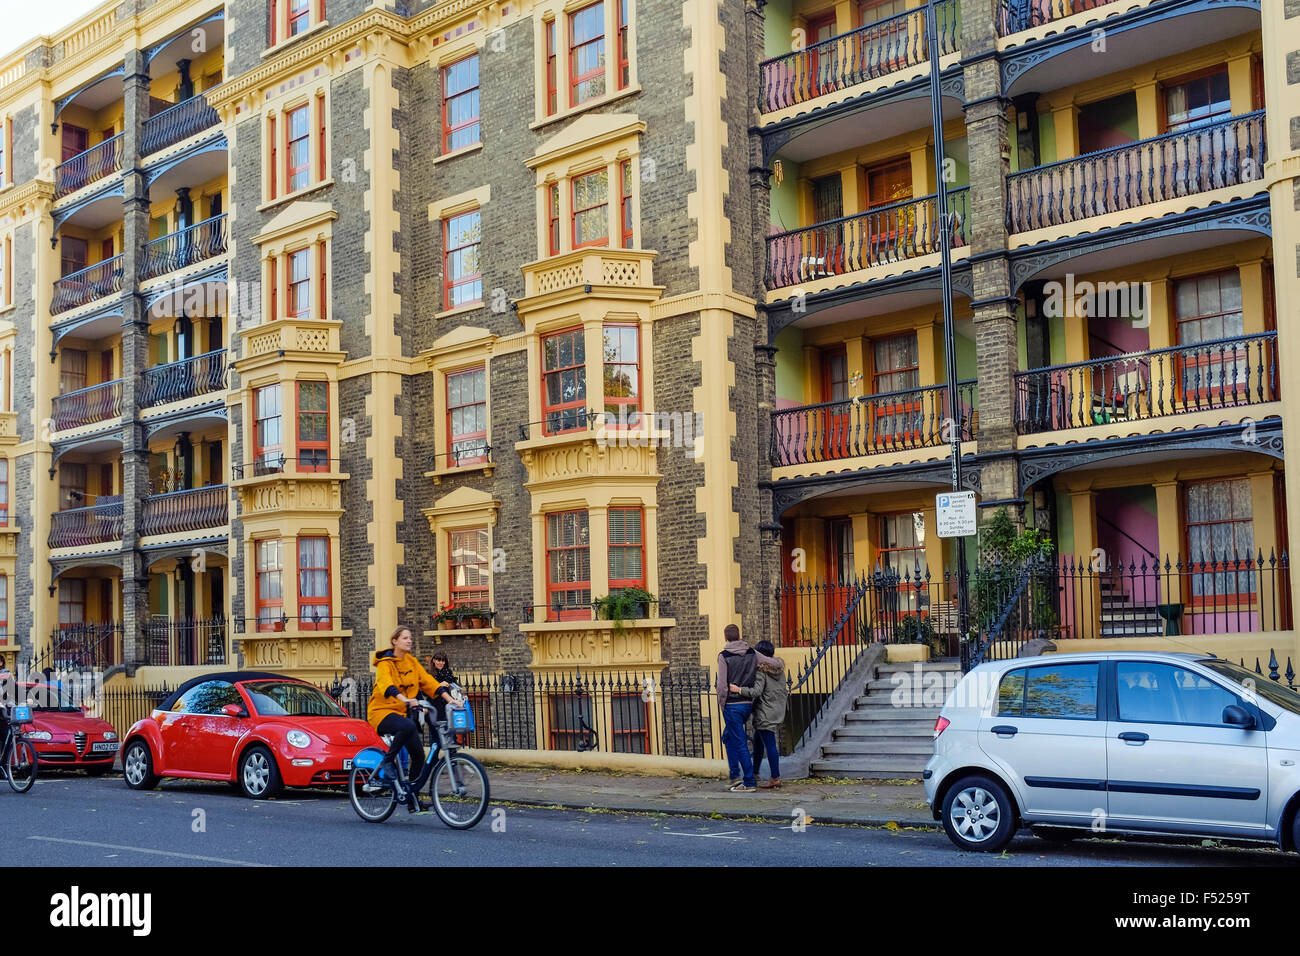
[[1067, 691]]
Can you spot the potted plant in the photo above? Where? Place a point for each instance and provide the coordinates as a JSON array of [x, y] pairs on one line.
[[915, 629], [480, 618], [626, 604]]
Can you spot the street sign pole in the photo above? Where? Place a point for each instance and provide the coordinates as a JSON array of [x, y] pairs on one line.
[[945, 267]]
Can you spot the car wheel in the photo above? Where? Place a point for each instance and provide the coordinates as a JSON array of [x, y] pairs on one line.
[[978, 815], [137, 766], [1057, 834], [259, 777]]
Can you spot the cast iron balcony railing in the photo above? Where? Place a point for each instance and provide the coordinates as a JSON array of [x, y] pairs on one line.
[[192, 509], [872, 50], [1223, 153], [76, 647], [893, 233], [184, 379], [86, 406], [308, 462], [1017, 15], [193, 244], [88, 166], [99, 523], [86, 285], [1224, 373], [870, 425], [186, 643], [176, 123]]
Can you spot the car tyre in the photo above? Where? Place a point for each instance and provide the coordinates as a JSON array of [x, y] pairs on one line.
[[978, 815], [258, 775], [137, 766]]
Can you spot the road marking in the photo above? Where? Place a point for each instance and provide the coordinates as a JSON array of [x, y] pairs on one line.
[[713, 836], [144, 849]]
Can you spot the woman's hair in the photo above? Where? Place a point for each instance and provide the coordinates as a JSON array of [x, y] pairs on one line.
[[765, 647], [441, 656], [398, 633]]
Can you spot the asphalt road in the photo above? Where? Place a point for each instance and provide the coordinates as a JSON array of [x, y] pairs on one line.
[[72, 820]]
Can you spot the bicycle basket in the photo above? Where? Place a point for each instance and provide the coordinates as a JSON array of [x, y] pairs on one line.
[[461, 719], [22, 714]]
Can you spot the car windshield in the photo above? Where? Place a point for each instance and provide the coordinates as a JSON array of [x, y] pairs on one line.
[[48, 698], [1257, 684], [291, 699]]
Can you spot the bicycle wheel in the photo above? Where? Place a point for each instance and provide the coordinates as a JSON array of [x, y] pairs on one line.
[[460, 791], [20, 768], [374, 806]]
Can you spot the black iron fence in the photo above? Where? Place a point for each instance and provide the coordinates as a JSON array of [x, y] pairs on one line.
[[186, 642], [81, 647], [99, 523], [86, 285], [308, 462], [123, 706], [1016, 15], [197, 375], [870, 425], [1212, 156], [185, 247], [88, 166], [192, 509], [884, 234], [870, 51], [594, 611], [176, 123], [86, 406], [1224, 373]]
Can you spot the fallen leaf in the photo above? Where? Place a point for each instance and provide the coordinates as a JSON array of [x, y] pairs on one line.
[[891, 825]]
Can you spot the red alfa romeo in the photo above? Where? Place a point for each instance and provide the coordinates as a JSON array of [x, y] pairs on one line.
[[259, 731], [63, 735]]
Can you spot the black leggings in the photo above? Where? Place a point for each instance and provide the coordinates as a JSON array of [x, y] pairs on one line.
[[406, 734]]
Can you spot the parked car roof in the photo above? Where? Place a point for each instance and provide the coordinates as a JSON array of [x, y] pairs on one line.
[[232, 677]]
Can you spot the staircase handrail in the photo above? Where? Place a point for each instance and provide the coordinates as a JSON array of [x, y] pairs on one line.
[[1000, 623]]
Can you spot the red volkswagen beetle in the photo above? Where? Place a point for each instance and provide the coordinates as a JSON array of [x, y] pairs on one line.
[[259, 731], [63, 735]]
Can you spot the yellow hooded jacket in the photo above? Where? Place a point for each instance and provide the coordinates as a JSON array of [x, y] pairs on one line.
[[392, 677]]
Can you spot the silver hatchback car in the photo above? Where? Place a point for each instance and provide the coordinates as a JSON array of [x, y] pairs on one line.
[[1118, 743]]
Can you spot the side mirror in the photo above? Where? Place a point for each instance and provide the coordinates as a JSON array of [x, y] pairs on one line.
[[1237, 716], [234, 710]]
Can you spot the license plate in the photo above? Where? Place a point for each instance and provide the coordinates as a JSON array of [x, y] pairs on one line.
[[106, 747], [347, 765]]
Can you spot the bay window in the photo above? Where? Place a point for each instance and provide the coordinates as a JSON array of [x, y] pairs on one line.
[[626, 549], [591, 209], [269, 592], [267, 451], [622, 378], [313, 426], [564, 381], [568, 565], [314, 583]]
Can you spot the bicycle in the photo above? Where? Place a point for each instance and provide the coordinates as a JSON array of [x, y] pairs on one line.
[[17, 755], [458, 784]]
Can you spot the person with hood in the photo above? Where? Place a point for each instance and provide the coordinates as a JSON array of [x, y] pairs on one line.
[[737, 667], [398, 679], [769, 694]]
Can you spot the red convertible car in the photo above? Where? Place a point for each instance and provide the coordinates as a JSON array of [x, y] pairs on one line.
[[259, 731], [62, 733]]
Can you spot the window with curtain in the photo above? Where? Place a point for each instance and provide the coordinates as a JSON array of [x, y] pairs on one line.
[[470, 560], [270, 596], [1220, 534], [1198, 100], [1209, 309], [314, 582], [568, 565]]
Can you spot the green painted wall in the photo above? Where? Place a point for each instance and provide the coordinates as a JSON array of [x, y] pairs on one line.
[[1064, 524], [789, 363], [777, 27], [955, 149], [785, 198]]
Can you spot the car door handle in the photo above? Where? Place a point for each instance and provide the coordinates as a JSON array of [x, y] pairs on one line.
[[1134, 737], [1005, 729]]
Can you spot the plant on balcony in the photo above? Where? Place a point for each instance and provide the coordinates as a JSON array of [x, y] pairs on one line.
[[625, 604], [480, 618], [457, 616], [915, 629], [1005, 554]]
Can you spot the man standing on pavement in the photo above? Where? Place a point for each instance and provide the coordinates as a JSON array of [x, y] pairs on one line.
[[737, 665]]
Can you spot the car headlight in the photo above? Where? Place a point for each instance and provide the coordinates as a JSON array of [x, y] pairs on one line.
[[110, 735], [39, 735], [297, 738]]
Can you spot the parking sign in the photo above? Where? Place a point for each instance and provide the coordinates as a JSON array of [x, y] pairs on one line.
[[955, 514]]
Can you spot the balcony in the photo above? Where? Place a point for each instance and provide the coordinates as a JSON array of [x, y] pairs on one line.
[[188, 378], [86, 285], [1226, 373], [1016, 15], [88, 167], [186, 247], [177, 123], [186, 643], [870, 425], [76, 647], [1184, 163], [885, 234], [871, 51], [86, 406], [100, 523], [193, 509]]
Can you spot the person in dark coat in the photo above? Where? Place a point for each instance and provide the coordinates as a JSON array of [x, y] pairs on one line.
[[769, 693]]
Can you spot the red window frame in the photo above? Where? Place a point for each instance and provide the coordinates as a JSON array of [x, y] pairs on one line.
[[6, 272], [469, 595], [297, 278], [6, 134], [552, 88], [313, 452], [320, 129], [910, 598], [270, 138], [315, 621], [457, 403], [625, 739], [449, 129], [273, 263], [620, 520], [567, 610], [263, 578], [452, 255], [562, 707], [1202, 567], [897, 410], [625, 201], [553, 202], [623, 406], [623, 67], [296, 18], [577, 211], [264, 451], [303, 167], [4, 492], [275, 17], [4, 604], [322, 264], [576, 79], [558, 412]]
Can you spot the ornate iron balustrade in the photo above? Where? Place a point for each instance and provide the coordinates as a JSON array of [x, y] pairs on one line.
[[190, 510], [1213, 156], [187, 378], [872, 50], [86, 406], [1224, 373], [885, 234], [193, 244], [80, 647], [99, 523], [88, 166], [186, 643], [86, 285], [1017, 15], [176, 123], [870, 425]]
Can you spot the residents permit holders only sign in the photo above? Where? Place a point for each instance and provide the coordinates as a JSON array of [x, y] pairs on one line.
[[955, 514]]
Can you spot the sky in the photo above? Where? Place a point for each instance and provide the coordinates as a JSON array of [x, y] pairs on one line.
[[24, 19]]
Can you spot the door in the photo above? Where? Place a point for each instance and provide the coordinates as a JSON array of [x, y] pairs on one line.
[[839, 594], [885, 46], [898, 415], [1171, 759], [825, 252], [1047, 731], [890, 228], [74, 255], [75, 140], [823, 69], [835, 426], [215, 734]]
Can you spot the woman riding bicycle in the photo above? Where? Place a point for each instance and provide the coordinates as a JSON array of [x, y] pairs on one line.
[[398, 679]]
